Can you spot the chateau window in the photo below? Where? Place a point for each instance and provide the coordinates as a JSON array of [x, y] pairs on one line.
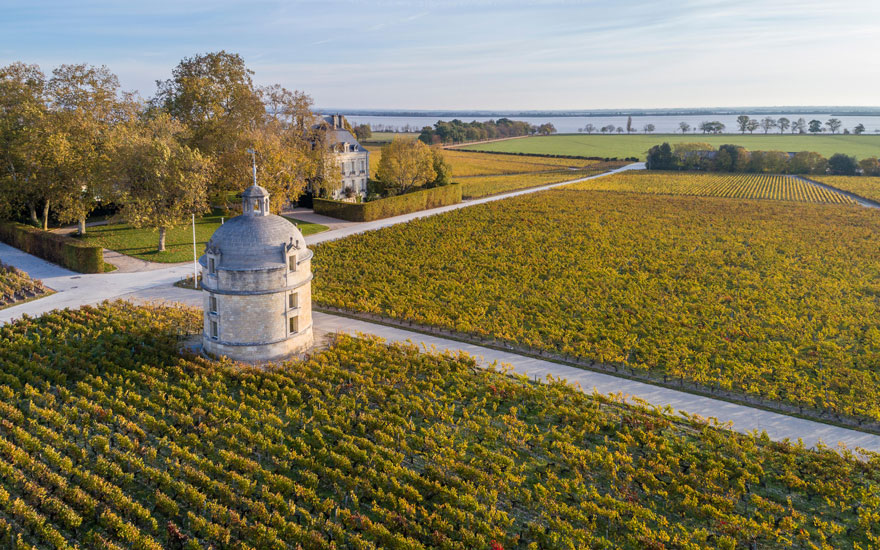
[[294, 324], [215, 330], [266, 205], [291, 262], [211, 267], [212, 304], [293, 300], [256, 206]]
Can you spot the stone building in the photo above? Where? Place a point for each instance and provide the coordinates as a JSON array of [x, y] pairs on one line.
[[353, 160], [256, 279]]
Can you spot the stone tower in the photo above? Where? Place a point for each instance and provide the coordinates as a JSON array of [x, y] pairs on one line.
[[256, 279]]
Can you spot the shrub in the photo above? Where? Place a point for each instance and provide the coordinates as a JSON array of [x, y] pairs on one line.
[[391, 206], [59, 249]]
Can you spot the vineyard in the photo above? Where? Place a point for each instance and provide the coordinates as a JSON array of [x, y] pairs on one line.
[[867, 187], [482, 186], [778, 300], [740, 186], [16, 286], [109, 438], [469, 164]]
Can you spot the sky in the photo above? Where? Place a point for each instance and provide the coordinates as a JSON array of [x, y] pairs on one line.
[[480, 54]]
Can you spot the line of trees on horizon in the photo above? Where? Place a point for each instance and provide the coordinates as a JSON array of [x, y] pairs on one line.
[[457, 131], [75, 139], [734, 158]]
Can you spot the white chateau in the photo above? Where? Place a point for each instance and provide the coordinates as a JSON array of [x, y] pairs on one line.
[[256, 279], [353, 160]]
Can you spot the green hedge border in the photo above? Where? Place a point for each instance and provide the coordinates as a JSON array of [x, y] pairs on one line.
[[64, 251], [391, 206]]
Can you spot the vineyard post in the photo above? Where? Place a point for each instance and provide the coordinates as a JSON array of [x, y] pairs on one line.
[[195, 261]]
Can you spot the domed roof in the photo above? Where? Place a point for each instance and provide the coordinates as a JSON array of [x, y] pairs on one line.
[[254, 242], [254, 192]]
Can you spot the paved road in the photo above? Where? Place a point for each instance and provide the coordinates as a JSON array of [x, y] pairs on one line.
[[74, 290]]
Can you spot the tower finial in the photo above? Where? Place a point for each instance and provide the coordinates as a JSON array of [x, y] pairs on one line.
[[254, 159]]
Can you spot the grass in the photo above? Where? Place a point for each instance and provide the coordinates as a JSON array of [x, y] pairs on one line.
[[142, 243], [636, 145]]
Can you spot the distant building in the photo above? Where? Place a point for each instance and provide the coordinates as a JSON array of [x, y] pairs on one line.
[[353, 160]]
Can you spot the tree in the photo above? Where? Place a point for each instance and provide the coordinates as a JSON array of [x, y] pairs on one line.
[[743, 122], [870, 166], [607, 129], [842, 165], [546, 129], [815, 126], [753, 125], [620, 129], [684, 127], [731, 158], [629, 124], [660, 157], [800, 126], [213, 95], [24, 178], [859, 129], [405, 165], [442, 169], [833, 125], [160, 181], [783, 124], [648, 128], [767, 123], [363, 132], [807, 162], [85, 108], [589, 128]]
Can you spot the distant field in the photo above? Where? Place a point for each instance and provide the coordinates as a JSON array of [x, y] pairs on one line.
[[468, 164], [739, 186], [379, 138], [637, 145]]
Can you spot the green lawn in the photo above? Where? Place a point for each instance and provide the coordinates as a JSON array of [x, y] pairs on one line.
[[637, 145], [142, 243]]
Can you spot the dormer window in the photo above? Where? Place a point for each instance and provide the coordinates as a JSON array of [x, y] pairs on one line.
[[212, 266], [256, 206], [291, 262]]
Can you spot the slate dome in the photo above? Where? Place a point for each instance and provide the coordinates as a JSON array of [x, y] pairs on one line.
[[254, 242]]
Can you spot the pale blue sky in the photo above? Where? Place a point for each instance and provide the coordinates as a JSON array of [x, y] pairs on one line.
[[481, 54]]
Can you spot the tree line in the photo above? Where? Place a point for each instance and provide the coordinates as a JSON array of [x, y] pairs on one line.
[[457, 131], [733, 158], [74, 139]]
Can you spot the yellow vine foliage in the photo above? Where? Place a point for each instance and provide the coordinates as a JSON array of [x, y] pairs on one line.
[[110, 438], [776, 299], [739, 186]]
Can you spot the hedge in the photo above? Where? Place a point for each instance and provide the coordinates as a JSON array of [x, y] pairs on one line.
[[59, 249], [391, 206]]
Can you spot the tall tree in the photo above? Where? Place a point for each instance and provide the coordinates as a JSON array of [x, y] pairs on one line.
[[85, 107], [363, 132], [743, 122], [799, 127], [783, 124], [214, 96], [405, 165], [833, 124], [815, 126], [589, 128], [843, 165], [161, 180], [753, 125], [629, 124], [684, 127], [648, 128], [768, 123], [859, 129], [23, 120]]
